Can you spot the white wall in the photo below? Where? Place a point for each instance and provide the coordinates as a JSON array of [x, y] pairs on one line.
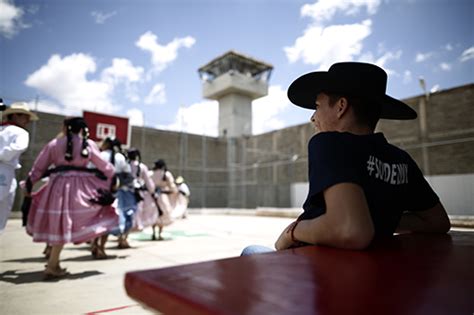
[[456, 192], [299, 191]]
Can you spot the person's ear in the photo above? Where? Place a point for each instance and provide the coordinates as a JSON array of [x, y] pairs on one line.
[[342, 107]]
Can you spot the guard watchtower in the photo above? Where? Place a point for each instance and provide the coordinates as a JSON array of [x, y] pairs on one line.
[[235, 80]]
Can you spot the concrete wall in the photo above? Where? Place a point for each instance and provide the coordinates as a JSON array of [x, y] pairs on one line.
[[235, 115], [260, 170], [455, 191]]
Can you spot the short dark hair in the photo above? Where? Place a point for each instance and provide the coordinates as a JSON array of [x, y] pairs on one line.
[[160, 164], [134, 154], [366, 111]]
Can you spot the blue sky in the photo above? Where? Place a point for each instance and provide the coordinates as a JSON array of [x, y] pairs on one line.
[[140, 58]]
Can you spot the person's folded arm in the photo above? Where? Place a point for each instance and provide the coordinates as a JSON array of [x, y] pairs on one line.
[[346, 224], [433, 220]]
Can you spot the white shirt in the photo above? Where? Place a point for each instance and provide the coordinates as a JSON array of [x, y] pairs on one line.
[[184, 189], [121, 165], [13, 142]]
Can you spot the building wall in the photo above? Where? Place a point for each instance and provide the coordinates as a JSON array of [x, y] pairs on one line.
[[449, 137], [261, 170]]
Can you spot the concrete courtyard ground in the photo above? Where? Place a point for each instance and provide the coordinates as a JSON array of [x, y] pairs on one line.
[[96, 286]]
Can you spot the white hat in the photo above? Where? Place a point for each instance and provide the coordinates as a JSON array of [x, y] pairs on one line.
[[179, 180], [20, 108]]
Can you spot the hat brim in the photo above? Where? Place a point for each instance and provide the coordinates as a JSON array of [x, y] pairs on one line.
[[304, 90], [10, 111]]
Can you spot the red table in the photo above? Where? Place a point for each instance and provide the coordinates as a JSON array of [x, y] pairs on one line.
[[406, 274]]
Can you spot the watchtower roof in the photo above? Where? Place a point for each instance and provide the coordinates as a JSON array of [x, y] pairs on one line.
[[233, 60]]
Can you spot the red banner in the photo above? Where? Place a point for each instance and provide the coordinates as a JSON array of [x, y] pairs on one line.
[[102, 126]]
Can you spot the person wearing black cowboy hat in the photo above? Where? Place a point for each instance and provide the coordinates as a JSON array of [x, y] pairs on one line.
[[360, 186]]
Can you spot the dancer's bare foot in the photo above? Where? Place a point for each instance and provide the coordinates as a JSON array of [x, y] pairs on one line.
[[123, 243], [94, 250], [100, 254], [47, 251], [54, 272]]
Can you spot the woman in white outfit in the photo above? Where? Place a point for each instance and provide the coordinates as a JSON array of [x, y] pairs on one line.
[[147, 212], [185, 194], [167, 195]]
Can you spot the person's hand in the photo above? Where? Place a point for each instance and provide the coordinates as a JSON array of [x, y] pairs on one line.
[[23, 187], [284, 241]]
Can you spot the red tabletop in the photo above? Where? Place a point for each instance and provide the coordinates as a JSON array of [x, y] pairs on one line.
[[405, 274]]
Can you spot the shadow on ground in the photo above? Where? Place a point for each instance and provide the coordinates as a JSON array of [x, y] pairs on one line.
[[15, 277], [79, 258], [39, 259], [90, 258]]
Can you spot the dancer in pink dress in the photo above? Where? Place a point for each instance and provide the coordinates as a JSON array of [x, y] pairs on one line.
[[147, 212], [70, 207]]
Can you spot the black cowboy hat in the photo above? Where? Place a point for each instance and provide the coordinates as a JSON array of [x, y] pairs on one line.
[[353, 79]]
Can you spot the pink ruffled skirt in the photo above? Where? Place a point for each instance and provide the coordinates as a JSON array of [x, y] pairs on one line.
[[147, 213], [61, 211]]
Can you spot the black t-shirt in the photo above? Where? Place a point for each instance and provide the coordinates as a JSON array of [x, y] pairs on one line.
[[391, 180]]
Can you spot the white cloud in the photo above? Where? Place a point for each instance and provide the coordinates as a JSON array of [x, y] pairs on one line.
[[421, 57], [326, 45], [324, 10], [122, 70], [199, 118], [445, 66], [101, 17], [448, 47], [64, 79], [136, 117], [162, 55], [265, 110], [10, 19], [132, 94], [407, 77], [32, 8], [467, 54], [157, 95], [435, 88], [383, 60], [388, 56]]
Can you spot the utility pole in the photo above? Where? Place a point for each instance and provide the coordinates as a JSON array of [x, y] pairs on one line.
[[424, 101], [33, 127]]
